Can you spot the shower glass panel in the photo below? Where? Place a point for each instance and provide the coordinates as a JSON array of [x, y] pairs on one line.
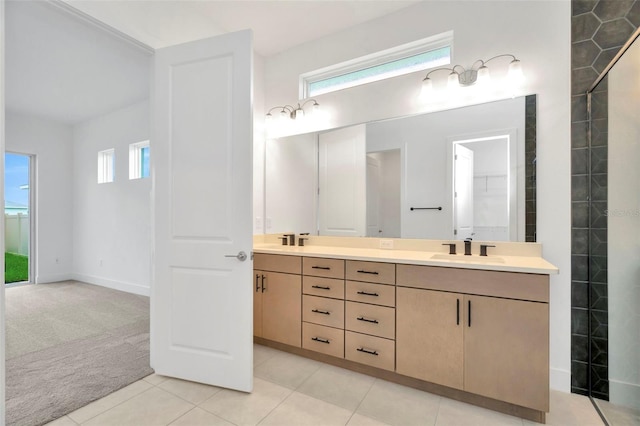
[[615, 285]]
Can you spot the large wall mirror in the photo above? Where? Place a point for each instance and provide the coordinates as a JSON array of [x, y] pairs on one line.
[[461, 173]]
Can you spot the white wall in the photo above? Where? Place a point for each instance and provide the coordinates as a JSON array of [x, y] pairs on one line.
[[111, 221], [539, 33], [51, 143]]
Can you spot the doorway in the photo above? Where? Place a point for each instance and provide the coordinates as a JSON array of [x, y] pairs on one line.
[[18, 218]]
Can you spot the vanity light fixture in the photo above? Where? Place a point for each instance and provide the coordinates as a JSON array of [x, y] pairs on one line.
[[478, 73], [294, 113]]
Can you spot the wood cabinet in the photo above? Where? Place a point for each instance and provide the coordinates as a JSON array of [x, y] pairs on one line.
[[323, 305], [487, 345], [277, 303], [481, 334]]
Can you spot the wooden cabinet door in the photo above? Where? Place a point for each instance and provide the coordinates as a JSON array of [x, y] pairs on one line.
[[282, 308], [429, 336], [506, 350]]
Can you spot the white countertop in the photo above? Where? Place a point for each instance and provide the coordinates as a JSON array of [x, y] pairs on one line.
[[524, 264]]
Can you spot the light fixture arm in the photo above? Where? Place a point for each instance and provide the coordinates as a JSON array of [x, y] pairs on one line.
[[292, 111], [467, 77]]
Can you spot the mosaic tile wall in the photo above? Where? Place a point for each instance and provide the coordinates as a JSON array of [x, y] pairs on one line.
[[530, 168], [598, 29]]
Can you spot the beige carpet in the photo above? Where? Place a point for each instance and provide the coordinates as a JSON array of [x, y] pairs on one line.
[[69, 344]]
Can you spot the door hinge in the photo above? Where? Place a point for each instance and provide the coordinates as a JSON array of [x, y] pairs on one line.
[[455, 232]]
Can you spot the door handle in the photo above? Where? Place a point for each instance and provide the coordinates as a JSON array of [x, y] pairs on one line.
[[241, 256]]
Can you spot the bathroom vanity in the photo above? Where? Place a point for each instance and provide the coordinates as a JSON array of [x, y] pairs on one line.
[[473, 328]]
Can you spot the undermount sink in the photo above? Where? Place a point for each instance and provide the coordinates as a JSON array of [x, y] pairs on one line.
[[467, 259]]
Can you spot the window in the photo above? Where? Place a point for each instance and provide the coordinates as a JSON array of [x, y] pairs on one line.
[[139, 160], [105, 166], [416, 56]]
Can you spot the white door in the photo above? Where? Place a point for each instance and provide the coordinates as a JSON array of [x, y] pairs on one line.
[[342, 172], [463, 191], [201, 300], [374, 227]]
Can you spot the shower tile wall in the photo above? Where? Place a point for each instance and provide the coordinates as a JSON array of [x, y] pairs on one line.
[[598, 29], [530, 168]]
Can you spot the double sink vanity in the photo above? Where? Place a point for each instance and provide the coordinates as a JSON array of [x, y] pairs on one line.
[[469, 327]]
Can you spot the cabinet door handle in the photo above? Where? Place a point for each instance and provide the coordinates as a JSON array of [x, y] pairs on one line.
[[368, 294], [318, 311], [264, 288], [367, 351], [321, 287], [321, 340], [457, 311], [368, 272], [469, 313], [325, 268], [374, 321], [257, 284]]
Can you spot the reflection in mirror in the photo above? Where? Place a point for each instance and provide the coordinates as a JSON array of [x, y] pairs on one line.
[[395, 178]]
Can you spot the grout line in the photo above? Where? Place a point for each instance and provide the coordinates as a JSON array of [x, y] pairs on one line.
[[362, 400]]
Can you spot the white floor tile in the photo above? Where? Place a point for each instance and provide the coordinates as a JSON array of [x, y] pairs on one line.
[[154, 407], [91, 410], [62, 421], [193, 392], [360, 420], [455, 413], [247, 409], [155, 379], [569, 409], [287, 370], [337, 386], [263, 353], [399, 405], [299, 410], [200, 417]]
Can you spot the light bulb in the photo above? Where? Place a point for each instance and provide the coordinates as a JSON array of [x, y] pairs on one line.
[[484, 77], [427, 89], [453, 81], [515, 75]]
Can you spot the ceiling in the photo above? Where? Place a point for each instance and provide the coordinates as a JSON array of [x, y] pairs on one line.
[[67, 69]]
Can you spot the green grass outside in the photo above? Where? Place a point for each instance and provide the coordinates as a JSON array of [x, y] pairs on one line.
[[16, 268]]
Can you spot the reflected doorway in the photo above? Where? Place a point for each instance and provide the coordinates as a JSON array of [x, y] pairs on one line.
[[18, 216]]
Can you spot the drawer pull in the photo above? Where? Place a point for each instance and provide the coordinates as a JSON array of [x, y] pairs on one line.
[[374, 321], [367, 351], [367, 272], [321, 340], [368, 294], [321, 287], [325, 268], [318, 311]]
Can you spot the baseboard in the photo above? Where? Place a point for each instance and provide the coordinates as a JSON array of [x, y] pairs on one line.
[[622, 393], [52, 278], [113, 284], [560, 380]]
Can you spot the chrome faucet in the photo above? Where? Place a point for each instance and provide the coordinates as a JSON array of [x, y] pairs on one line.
[[467, 246]]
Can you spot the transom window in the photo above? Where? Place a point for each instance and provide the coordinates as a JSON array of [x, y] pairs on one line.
[[411, 57], [139, 160], [106, 161]]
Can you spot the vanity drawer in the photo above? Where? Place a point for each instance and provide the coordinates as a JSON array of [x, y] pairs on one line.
[[277, 263], [324, 311], [321, 267], [378, 294], [325, 287], [370, 350], [373, 272], [323, 339], [371, 319]]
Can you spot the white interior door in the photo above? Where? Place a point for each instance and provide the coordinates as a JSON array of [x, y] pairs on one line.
[[463, 195], [201, 300], [342, 180]]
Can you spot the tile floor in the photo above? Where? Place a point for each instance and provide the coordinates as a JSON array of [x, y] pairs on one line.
[[291, 390]]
